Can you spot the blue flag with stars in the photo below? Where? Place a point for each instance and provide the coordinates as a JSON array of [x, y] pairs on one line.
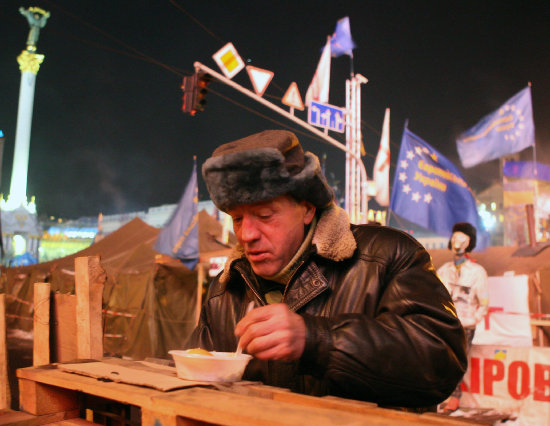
[[341, 42], [505, 131], [429, 190], [180, 237]]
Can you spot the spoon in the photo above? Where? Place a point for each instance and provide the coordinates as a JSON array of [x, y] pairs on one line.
[[249, 307]]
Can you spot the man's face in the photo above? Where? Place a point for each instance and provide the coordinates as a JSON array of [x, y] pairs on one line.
[[271, 232], [459, 243]]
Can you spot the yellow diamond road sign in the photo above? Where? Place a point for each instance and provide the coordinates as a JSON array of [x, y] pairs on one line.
[[228, 60]]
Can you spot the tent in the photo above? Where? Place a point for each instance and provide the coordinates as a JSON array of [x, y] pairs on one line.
[[149, 301]]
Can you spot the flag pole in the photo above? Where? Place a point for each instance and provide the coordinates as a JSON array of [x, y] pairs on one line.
[[536, 177]]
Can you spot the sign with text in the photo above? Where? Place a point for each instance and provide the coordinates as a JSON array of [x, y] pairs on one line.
[[326, 116], [515, 380]]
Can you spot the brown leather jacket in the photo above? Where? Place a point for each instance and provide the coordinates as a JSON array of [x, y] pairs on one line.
[[380, 325]]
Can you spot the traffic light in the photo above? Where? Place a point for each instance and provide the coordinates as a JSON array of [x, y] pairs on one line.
[[195, 88]]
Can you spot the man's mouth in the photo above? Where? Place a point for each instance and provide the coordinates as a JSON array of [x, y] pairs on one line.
[[257, 256]]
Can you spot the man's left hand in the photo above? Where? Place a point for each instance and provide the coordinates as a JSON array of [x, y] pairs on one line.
[[272, 332]]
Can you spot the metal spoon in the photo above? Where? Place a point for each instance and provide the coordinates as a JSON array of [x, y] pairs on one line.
[[249, 307]]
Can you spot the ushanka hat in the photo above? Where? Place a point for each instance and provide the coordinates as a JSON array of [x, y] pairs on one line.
[[263, 166], [469, 230]]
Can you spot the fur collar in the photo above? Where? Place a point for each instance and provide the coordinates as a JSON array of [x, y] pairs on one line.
[[333, 239]]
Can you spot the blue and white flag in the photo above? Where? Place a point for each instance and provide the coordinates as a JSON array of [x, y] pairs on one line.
[[429, 190], [505, 131], [341, 42], [180, 237]]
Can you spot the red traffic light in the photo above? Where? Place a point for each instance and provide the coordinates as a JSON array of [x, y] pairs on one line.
[[194, 92]]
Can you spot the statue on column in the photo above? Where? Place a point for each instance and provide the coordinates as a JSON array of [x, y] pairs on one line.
[[37, 19]]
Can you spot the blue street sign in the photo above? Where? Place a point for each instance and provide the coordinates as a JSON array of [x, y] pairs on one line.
[[326, 116]]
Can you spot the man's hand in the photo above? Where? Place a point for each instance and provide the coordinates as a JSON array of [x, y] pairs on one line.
[[272, 332]]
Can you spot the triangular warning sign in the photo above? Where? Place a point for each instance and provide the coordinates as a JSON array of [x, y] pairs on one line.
[[292, 97], [260, 78]]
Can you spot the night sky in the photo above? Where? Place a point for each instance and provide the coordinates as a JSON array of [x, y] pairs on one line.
[[108, 134]]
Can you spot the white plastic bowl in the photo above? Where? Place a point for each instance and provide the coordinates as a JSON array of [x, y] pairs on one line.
[[220, 367]]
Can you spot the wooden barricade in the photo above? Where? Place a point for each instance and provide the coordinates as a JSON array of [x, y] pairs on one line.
[[77, 326]]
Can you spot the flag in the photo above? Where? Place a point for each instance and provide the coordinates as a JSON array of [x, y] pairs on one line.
[[319, 87], [429, 190], [180, 237], [381, 172], [341, 42], [505, 131]]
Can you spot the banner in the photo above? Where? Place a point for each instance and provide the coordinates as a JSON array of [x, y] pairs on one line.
[[430, 191], [319, 87], [526, 170], [381, 172], [514, 380], [508, 321], [505, 131]]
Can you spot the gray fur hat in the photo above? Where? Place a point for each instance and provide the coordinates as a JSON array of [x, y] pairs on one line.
[[263, 166]]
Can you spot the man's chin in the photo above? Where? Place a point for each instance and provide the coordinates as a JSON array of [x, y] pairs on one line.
[[264, 269]]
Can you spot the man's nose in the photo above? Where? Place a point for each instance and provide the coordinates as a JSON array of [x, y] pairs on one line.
[[249, 229]]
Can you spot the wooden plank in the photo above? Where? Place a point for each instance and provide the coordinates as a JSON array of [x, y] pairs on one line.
[[89, 283], [155, 418], [64, 330], [121, 392], [343, 404], [38, 398], [41, 325], [20, 418], [226, 408], [5, 396], [191, 405]]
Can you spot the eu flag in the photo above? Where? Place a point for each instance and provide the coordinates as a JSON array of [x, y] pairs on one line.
[[505, 131], [429, 190], [180, 237], [341, 42]]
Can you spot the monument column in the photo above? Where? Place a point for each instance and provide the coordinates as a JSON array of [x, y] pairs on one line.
[[29, 64]]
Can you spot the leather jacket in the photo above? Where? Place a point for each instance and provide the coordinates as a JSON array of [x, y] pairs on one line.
[[381, 327]]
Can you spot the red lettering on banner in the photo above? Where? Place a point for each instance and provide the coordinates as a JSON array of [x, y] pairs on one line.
[[474, 376], [513, 382], [493, 370], [542, 382]]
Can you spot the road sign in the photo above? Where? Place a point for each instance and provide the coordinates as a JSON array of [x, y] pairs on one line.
[[327, 116], [292, 97], [228, 60], [260, 78]]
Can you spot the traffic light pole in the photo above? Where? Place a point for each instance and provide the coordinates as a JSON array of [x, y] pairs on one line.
[[359, 190]]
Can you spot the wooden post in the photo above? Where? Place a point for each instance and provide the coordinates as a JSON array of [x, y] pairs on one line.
[[5, 396], [89, 283], [41, 324], [200, 279]]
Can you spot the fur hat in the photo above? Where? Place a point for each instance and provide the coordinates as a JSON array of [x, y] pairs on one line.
[[263, 166], [469, 230]]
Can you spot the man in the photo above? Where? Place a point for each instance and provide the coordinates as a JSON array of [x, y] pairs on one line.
[[346, 310], [466, 281]]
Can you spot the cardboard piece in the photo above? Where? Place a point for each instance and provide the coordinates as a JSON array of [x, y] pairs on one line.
[[138, 373]]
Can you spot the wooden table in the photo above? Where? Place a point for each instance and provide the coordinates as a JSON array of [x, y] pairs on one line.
[[46, 390]]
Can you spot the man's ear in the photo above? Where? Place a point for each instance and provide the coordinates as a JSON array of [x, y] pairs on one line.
[[310, 210]]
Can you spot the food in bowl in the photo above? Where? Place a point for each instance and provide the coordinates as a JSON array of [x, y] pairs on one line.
[[194, 364], [199, 351]]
